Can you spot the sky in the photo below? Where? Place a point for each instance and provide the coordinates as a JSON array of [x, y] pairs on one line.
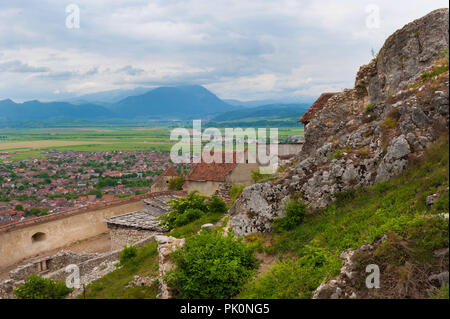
[[238, 49]]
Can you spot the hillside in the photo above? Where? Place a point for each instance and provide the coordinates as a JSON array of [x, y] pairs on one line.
[[35, 110], [413, 237], [179, 102], [264, 111]]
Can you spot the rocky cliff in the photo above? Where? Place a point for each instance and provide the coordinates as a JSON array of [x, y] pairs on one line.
[[399, 104]]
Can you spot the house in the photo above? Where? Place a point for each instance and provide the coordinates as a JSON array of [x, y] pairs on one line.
[[207, 178], [316, 107], [161, 183]]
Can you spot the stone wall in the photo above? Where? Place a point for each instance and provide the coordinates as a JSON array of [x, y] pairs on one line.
[[125, 236], [62, 229], [49, 264]]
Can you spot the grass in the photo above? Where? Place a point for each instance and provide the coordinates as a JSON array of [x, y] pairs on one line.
[[358, 217], [194, 227], [112, 285]]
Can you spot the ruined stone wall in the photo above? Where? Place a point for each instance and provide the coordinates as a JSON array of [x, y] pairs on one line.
[[62, 229], [205, 188], [125, 236]]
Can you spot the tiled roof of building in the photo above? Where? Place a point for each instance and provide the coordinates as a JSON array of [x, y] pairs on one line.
[[169, 171], [215, 172], [316, 107]]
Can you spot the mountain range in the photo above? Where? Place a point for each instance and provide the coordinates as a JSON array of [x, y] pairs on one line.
[[162, 103]]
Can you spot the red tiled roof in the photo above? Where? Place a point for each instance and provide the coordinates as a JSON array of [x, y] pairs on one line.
[[169, 171], [316, 107], [216, 172]]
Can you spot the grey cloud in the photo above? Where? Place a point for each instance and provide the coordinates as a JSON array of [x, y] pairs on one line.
[[20, 67], [130, 70]]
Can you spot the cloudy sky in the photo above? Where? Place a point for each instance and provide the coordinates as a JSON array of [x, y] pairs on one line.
[[239, 49]]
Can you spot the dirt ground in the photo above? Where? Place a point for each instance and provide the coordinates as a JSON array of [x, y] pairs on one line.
[[98, 244]]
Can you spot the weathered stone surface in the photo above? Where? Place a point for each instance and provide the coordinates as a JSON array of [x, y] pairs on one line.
[[207, 226], [166, 245], [407, 52], [431, 199], [139, 281], [256, 208], [440, 253], [439, 280]]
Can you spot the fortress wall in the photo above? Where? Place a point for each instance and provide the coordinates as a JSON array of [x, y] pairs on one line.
[[58, 230]]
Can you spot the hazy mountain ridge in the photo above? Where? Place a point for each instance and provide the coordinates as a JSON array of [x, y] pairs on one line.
[[163, 103]]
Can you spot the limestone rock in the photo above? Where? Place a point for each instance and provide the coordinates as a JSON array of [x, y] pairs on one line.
[[256, 208]]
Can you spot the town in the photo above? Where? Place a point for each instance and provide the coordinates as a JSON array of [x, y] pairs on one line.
[[66, 180]]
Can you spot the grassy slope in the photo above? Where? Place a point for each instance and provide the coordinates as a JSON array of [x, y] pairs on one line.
[[112, 285], [309, 253]]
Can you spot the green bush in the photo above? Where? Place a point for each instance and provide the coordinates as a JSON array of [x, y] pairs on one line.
[[176, 184], [187, 216], [216, 205], [295, 213], [235, 191], [211, 266], [36, 287], [258, 177], [127, 253], [192, 207], [294, 278]]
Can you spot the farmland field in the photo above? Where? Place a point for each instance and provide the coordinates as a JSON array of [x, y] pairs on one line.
[[28, 143]]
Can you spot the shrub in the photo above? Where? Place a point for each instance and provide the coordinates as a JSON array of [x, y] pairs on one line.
[[127, 253], [211, 266], [176, 184], [216, 205], [258, 177], [187, 209], [294, 278], [187, 216], [235, 191], [36, 287], [295, 213]]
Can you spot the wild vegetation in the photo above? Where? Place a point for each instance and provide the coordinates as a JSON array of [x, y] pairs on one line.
[[142, 261], [309, 252], [192, 207], [36, 287], [211, 266]]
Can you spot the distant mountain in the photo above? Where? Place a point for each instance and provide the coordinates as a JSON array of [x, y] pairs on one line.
[[265, 111], [107, 97], [160, 104], [35, 110], [256, 103], [180, 101]]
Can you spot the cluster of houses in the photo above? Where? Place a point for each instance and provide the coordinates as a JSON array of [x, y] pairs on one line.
[[63, 180]]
